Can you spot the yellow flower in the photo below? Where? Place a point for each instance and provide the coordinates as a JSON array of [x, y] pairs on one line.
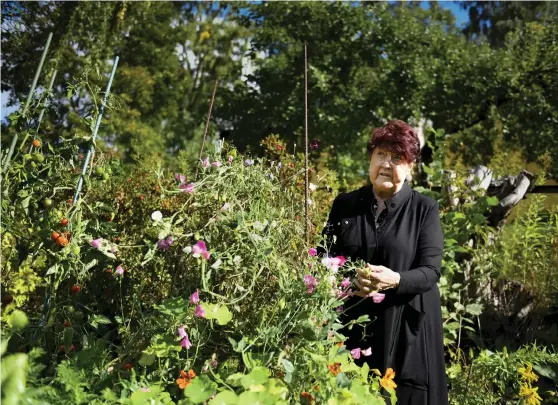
[[387, 380], [204, 35], [530, 395], [528, 374]]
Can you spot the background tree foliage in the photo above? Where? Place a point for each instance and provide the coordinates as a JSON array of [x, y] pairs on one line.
[[492, 87]]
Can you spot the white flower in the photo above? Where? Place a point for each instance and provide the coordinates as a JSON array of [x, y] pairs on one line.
[[216, 264], [226, 207], [310, 202], [187, 249], [312, 187], [156, 216]]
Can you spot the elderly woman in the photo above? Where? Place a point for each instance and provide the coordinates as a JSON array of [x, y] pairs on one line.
[[397, 232]]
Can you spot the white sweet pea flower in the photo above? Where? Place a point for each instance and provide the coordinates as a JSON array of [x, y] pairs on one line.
[[312, 187], [187, 249], [156, 216]]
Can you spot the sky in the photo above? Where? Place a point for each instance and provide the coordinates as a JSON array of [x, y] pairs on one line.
[[461, 17]]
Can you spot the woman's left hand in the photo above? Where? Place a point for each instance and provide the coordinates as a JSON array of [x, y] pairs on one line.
[[376, 278]]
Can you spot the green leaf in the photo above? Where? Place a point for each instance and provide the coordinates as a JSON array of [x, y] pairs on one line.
[[225, 398], [147, 359], [474, 309], [235, 379], [200, 389], [259, 375], [14, 378], [289, 368], [218, 312], [95, 320], [342, 381], [492, 201]]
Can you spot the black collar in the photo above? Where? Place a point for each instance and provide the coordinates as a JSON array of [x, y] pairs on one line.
[[393, 203]]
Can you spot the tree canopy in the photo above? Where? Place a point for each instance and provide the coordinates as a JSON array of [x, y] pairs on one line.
[[491, 87]]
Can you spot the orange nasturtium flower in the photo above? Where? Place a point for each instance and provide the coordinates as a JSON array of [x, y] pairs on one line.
[[308, 397], [335, 368], [186, 378], [387, 380]]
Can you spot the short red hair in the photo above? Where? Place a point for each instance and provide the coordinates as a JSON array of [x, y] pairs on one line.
[[397, 137]]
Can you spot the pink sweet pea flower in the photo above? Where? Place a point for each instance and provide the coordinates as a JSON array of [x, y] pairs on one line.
[[216, 164], [230, 159], [355, 353], [199, 249], [119, 270], [187, 188], [180, 178], [96, 243], [205, 162], [333, 263], [367, 352], [377, 297], [199, 312], [195, 297], [310, 282], [185, 342], [346, 283], [312, 251], [314, 144]]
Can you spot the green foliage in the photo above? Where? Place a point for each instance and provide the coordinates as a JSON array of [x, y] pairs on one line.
[[498, 377]]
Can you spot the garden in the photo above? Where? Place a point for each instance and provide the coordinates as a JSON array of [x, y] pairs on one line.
[[160, 240]]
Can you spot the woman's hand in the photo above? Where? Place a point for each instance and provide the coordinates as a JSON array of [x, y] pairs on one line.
[[374, 279]]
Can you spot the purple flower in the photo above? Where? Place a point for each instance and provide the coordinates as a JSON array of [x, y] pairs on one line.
[[199, 312], [377, 297], [182, 332], [249, 162], [119, 270], [339, 309], [314, 144], [312, 251], [187, 188], [310, 282], [279, 165], [165, 244], [195, 297], [96, 243]]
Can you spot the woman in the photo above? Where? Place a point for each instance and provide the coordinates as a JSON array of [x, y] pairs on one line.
[[397, 232]]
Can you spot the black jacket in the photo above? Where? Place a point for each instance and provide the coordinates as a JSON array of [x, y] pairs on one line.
[[406, 333]]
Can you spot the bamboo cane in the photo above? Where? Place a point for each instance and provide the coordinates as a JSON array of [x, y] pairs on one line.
[[27, 103], [95, 131]]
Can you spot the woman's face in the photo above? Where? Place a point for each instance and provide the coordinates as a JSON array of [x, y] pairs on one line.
[[388, 170]]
